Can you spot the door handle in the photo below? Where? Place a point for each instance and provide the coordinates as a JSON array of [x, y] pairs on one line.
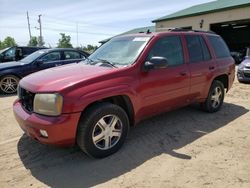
[[211, 67], [183, 73]]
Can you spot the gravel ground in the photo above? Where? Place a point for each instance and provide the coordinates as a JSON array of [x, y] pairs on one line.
[[183, 148]]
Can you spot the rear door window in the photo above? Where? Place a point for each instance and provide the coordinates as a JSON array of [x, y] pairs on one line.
[[169, 47], [71, 55], [219, 46], [197, 49]]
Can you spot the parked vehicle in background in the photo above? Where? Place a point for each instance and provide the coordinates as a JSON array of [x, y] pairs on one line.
[[127, 79], [17, 53], [238, 57], [12, 72], [243, 72]]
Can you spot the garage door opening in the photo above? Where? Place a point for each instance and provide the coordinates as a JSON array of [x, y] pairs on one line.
[[235, 33]]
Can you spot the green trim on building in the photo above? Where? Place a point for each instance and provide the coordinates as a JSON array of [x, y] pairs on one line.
[[214, 6]]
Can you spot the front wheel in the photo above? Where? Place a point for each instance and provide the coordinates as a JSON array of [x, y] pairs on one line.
[[8, 84], [102, 130], [215, 97]]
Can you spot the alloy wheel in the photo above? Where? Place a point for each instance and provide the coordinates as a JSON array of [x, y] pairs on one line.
[[216, 97], [9, 84], [107, 132]]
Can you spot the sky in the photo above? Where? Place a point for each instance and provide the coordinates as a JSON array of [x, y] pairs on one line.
[[96, 19]]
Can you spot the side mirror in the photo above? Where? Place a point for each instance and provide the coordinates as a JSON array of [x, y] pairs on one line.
[[39, 62], [156, 63]]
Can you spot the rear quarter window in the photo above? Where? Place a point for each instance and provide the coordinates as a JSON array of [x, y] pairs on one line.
[[27, 51], [220, 48]]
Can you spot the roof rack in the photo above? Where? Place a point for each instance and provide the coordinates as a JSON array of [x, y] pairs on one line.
[[188, 30]]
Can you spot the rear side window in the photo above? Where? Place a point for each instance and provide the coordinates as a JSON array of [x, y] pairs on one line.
[[197, 49], [52, 56], [169, 47], [219, 46], [72, 55]]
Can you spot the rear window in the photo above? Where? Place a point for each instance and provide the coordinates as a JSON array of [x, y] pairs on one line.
[[27, 51], [219, 46]]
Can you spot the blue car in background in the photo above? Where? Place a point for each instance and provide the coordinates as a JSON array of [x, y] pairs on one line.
[[12, 72], [243, 73]]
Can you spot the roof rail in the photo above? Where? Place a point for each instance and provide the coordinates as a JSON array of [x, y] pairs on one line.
[[188, 30], [147, 32]]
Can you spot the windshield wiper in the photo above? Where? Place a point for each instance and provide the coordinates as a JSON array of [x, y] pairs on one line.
[[107, 62], [89, 61]]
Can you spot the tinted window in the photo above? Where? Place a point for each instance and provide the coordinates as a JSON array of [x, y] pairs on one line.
[[194, 48], [72, 55], [169, 47], [219, 46], [53, 56], [27, 51], [206, 53], [10, 53], [197, 49]]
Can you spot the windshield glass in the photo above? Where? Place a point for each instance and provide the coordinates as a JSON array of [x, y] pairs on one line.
[[30, 58], [1, 51], [120, 51]]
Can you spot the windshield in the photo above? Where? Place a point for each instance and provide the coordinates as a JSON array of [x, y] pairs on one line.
[[120, 51], [30, 58], [1, 51]]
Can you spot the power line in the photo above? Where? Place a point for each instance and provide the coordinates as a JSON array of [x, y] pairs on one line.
[[73, 31], [60, 30]]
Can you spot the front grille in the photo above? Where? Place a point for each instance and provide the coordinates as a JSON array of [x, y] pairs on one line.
[[247, 75], [27, 99]]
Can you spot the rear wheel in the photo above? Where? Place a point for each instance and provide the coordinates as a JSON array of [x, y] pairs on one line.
[[215, 97], [102, 130], [8, 84]]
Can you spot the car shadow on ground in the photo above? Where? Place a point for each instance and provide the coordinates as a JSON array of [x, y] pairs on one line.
[[7, 95], [69, 167]]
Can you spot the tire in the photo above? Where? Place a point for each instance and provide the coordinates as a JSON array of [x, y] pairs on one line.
[[97, 134], [8, 84], [215, 97]]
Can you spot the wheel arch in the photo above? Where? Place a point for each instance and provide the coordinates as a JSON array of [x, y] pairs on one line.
[[121, 100], [10, 74], [224, 80]]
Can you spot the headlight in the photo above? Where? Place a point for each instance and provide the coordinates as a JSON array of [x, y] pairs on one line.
[[48, 104]]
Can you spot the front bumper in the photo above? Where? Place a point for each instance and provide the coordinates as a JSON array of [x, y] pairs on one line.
[[243, 75], [61, 129]]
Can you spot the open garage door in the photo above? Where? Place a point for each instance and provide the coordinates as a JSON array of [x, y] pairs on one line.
[[235, 33]]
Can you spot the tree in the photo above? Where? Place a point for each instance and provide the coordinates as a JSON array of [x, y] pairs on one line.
[[33, 42], [1, 45], [89, 48], [8, 42], [64, 41]]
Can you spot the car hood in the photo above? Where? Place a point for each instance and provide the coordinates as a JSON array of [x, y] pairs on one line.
[[245, 63], [10, 64], [59, 78]]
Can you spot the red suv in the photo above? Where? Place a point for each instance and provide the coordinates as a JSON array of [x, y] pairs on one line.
[[93, 103]]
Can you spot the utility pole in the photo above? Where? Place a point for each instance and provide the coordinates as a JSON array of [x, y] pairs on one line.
[[76, 34], [40, 28], [28, 19]]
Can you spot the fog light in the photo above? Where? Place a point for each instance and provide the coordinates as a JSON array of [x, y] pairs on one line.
[[44, 133]]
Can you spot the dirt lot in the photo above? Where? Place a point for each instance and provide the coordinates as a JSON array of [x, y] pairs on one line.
[[184, 148]]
